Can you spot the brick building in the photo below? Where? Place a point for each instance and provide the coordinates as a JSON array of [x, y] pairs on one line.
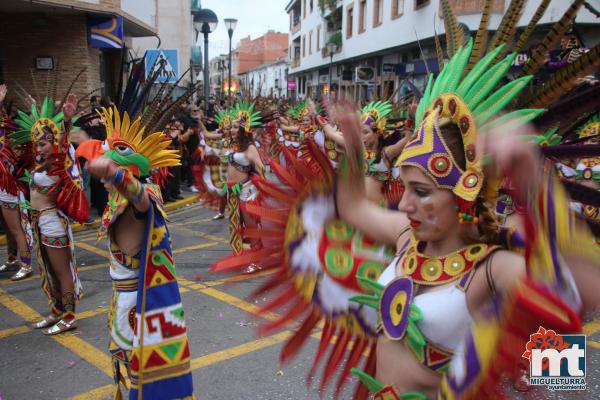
[[250, 53], [44, 44]]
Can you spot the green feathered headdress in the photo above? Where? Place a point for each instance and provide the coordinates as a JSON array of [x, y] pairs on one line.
[[244, 114], [374, 115], [224, 118], [32, 125]]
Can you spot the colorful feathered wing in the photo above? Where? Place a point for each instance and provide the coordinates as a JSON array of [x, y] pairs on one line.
[[315, 259]]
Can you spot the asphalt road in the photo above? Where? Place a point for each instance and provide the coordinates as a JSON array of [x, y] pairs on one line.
[[229, 361]]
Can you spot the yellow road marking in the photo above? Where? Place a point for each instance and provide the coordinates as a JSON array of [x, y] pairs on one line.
[[72, 343], [242, 349], [237, 302], [190, 222], [594, 344], [591, 327], [201, 234], [13, 331], [24, 329], [92, 313], [237, 278], [195, 247], [4, 282], [92, 249], [103, 392]]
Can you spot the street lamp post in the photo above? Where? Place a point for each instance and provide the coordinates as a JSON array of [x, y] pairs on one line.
[[331, 47], [205, 21], [222, 68], [230, 24]]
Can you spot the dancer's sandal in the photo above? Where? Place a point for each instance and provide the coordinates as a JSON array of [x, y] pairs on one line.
[[8, 265], [60, 327], [46, 322], [22, 273]]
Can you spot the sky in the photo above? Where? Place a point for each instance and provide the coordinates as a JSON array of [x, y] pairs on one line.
[[255, 17]]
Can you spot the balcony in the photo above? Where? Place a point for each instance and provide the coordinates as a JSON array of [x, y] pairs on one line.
[[296, 28], [330, 6], [295, 62], [336, 38]]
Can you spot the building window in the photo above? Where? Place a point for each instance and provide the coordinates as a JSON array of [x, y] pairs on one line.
[[310, 42], [303, 8], [377, 12], [362, 16], [310, 2], [319, 38], [303, 46], [397, 8], [349, 18], [421, 3]]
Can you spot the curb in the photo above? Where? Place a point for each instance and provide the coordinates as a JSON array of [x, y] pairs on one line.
[[77, 227]]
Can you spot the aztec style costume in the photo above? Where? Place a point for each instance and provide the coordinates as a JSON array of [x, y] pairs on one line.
[[12, 167], [210, 175], [378, 164], [293, 140], [146, 320], [244, 190], [319, 278], [50, 226]]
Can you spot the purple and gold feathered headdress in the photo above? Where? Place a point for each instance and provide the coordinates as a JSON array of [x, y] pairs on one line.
[[470, 103]]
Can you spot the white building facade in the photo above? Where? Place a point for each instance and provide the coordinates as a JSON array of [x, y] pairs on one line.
[[267, 80], [380, 38], [218, 73]]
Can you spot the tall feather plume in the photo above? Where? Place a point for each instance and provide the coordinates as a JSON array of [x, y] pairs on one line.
[[481, 36], [47, 91], [454, 35], [582, 194], [564, 79], [55, 80], [160, 102], [567, 110], [166, 115], [154, 104], [539, 13], [162, 97], [591, 9], [508, 25], [36, 90], [551, 39], [71, 87], [24, 94], [438, 50], [573, 151]]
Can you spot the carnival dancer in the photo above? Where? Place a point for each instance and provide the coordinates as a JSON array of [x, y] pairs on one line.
[[14, 218], [383, 145], [244, 163], [56, 195], [454, 310], [146, 320], [210, 174]]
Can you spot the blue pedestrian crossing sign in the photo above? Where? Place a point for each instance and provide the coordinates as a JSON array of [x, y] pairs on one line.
[[168, 58]]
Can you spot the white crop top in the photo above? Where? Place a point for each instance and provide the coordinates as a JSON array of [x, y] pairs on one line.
[[446, 318], [41, 179], [241, 159]]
